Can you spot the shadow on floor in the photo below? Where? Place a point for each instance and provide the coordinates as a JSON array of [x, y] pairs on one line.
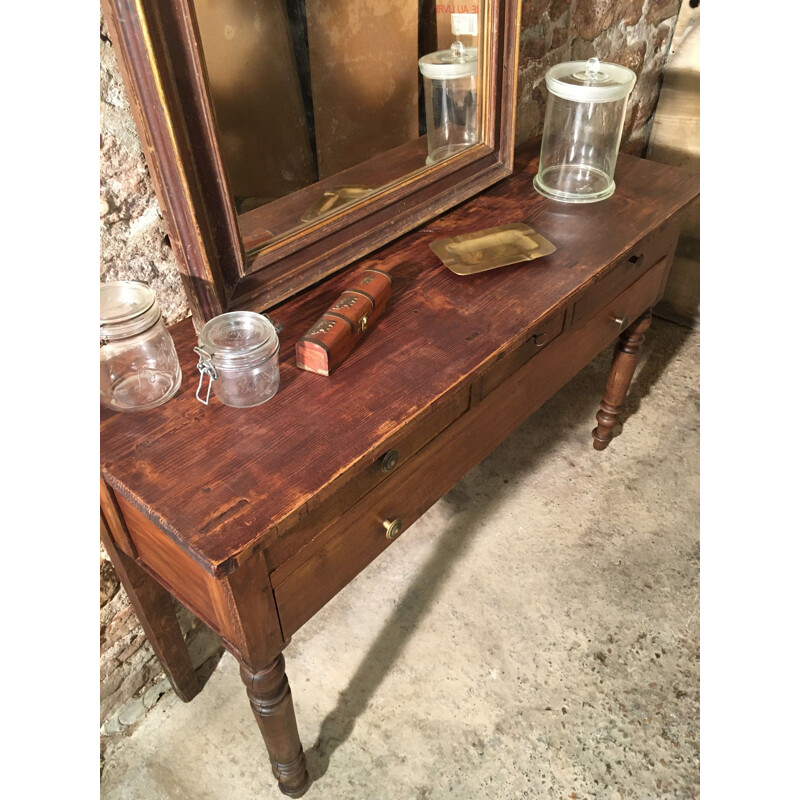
[[572, 407], [655, 358]]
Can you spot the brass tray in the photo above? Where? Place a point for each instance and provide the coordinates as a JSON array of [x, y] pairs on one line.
[[335, 198], [488, 249]]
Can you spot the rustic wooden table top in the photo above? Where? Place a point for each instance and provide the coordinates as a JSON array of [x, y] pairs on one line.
[[220, 480]]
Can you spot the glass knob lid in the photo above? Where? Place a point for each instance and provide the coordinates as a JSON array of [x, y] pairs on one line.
[[591, 81], [593, 75], [458, 53], [455, 62]]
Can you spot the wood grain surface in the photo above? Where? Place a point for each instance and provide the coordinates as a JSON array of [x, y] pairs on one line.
[[221, 481]]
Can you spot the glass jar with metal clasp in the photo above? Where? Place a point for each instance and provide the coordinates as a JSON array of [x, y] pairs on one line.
[[139, 367], [239, 356]]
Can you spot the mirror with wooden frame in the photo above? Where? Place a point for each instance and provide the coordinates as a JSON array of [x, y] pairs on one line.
[[288, 138]]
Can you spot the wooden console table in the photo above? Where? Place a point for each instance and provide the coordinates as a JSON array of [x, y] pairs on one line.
[[255, 518]]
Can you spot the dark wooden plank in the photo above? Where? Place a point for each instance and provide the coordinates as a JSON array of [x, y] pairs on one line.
[[220, 503]]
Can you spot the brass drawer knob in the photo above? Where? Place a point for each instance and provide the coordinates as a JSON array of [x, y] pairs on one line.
[[622, 322], [393, 528], [389, 460]]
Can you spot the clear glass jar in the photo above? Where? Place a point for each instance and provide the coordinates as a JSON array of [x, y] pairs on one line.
[[451, 100], [139, 367], [582, 130], [239, 354]]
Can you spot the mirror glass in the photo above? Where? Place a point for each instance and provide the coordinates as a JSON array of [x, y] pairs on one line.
[[320, 103]]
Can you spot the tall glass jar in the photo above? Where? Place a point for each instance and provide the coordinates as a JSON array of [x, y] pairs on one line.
[[451, 100], [139, 367], [582, 130], [239, 354]]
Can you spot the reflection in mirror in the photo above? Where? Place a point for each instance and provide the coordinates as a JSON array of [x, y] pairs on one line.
[[319, 103]]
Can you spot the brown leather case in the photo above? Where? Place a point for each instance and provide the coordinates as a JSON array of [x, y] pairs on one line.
[[344, 324]]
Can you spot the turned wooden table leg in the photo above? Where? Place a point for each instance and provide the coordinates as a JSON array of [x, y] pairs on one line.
[[626, 356], [271, 701]]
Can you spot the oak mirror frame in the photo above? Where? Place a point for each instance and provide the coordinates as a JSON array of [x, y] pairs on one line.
[[158, 49]]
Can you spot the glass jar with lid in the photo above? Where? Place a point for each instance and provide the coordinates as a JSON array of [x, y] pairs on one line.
[[239, 354], [582, 130], [139, 367], [451, 100]]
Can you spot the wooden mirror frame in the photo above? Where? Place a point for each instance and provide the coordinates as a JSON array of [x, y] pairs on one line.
[[158, 49]]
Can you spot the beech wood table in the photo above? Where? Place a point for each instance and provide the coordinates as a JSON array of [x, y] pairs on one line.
[[255, 518]]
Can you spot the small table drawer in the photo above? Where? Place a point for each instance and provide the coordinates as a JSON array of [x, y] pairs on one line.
[[544, 333], [650, 251], [301, 537], [634, 301], [356, 538]]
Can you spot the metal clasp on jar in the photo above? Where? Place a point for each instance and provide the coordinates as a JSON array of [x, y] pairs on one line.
[[205, 367]]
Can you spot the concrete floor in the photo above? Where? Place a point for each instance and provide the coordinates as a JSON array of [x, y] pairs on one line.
[[534, 635]]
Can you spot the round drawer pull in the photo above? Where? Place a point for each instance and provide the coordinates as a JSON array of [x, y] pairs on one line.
[[393, 528], [389, 460], [622, 322]]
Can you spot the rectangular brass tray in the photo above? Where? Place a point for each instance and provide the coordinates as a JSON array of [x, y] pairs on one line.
[[480, 251], [335, 198]]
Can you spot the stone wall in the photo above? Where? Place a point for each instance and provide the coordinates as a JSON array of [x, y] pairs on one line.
[[634, 33], [135, 245]]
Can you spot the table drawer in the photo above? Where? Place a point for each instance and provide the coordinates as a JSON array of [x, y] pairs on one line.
[[644, 256], [355, 539], [544, 334], [303, 535], [633, 302]]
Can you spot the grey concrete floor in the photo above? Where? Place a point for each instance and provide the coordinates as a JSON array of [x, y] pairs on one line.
[[534, 635]]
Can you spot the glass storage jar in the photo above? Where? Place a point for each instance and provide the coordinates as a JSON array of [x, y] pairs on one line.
[[582, 130], [239, 354], [451, 100], [139, 367]]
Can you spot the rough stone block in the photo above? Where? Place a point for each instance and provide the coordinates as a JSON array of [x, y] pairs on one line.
[[589, 18], [662, 9]]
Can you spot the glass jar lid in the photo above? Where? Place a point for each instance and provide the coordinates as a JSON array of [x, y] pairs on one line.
[[126, 308], [591, 81], [456, 62], [238, 339]]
